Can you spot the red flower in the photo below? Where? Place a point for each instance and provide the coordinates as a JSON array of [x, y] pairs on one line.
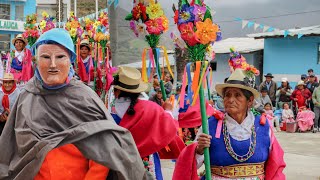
[[138, 12], [155, 26], [187, 34], [176, 16]]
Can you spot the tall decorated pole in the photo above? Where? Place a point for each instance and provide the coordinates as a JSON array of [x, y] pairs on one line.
[[147, 19], [194, 22]]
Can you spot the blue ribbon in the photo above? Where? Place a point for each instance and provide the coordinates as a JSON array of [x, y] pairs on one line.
[[157, 166], [189, 82], [158, 56], [15, 64]]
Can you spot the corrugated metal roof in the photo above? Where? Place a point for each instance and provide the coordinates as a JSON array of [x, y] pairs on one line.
[[306, 31], [242, 45]]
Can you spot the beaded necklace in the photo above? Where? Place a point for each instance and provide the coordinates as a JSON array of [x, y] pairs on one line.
[[253, 140]]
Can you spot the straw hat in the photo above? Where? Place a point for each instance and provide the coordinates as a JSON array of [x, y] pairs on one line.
[[8, 77], [19, 37], [85, 42], [238, 79], [128, 79]]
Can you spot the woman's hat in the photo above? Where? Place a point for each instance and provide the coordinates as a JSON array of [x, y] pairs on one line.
[[284, 79], [238, 79], [128, 79], [85, 42], [19, 37], [8, 77], [301, 83], [268, 75]]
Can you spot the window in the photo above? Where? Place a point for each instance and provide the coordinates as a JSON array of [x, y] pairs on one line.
[[19, 13], [213, 65], [5, 11], [4, 42]]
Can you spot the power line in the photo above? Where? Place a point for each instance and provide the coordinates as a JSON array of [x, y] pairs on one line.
[[266, 17], [262, 17]]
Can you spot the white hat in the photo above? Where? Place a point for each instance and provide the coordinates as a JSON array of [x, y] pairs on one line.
[[284, 79], [301, 83], [238, 79]]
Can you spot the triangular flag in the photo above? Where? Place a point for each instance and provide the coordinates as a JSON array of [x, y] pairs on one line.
[[244, 23], [238, 19], [256, 26], [261, 26], [270, 29], [286, 32], [299, 35], [250, 24], [116, 3], [265, 28]]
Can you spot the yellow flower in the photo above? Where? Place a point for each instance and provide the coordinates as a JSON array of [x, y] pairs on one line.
[[154, 10], [45, 14], [165, 22], [74, 24], [96, 24], [73, 32], [71, 13], [206, 31], [68, 25], [43, 24]]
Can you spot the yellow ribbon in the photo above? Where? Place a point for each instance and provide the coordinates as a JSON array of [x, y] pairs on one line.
[[165, 56], [144, 65], [200, 82]]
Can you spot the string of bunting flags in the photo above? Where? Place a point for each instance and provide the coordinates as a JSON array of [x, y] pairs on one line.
[[263, 27]]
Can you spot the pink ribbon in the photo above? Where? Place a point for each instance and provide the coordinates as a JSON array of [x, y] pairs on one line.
[[183, 88], [218, 130]]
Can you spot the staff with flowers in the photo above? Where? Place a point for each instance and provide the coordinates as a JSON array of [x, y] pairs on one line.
[[148, 19]]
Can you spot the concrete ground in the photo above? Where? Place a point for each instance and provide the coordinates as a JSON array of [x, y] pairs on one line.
[[302, 156]]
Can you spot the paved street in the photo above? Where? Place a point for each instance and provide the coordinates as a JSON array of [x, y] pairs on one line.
[[302, 155]]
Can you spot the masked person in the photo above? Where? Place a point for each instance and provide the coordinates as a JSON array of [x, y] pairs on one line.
[[60, 129]]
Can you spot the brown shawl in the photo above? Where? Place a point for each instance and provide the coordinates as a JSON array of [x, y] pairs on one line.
[[42, 120]]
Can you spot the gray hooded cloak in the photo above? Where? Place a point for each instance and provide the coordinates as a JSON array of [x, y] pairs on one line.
[[42, 120]]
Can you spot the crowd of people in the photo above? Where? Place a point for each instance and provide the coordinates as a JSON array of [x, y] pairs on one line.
[[288, 102], [55, 126]]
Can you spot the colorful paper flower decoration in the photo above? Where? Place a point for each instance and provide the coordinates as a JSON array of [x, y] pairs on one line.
[[152, 16], [47, 22], [31, 32], [195, 24]]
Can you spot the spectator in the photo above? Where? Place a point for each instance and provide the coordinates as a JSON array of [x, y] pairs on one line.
[[168, 85], [263, 100], [301, 95], [284, 91], [271, 87], [155, 85], [271, 117], [310, 71], [311, 85], [303, 78], [157, 98], [316, 102], [8, 96], [287, 113]]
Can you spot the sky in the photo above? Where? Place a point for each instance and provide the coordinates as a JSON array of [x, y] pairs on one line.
[[228, 10]]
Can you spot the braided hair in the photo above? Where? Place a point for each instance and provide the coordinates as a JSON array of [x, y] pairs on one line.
[[133, 98]]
